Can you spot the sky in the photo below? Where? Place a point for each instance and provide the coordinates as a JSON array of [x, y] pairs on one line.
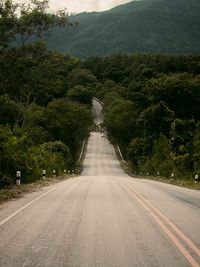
[[77, 6]]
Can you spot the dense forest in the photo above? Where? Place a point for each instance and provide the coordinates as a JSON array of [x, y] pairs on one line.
[[144, 26], [44, 114], [151, 102], [152, 110]]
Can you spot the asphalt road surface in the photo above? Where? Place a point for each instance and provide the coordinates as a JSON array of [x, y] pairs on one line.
[[102, 218]]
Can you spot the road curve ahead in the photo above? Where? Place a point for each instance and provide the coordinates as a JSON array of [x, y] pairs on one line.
[[102, 219]]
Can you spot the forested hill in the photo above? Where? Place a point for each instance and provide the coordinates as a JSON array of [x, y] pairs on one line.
[[155, 26]]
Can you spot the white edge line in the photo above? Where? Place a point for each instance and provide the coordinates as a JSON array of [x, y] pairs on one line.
[[120, 153], [83, 146], [98, 100], [24, 207]]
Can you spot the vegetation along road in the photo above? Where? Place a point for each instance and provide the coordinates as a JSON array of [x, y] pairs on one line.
[[102, 218]]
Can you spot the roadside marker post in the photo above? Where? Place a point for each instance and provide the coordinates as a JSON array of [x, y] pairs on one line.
[[158, 174], [196, 178], [54, 172], [44, 174], [65, 172], [172, 176], [18, 178]]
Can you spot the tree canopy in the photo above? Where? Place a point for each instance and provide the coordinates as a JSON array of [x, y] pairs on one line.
[[151, 109], [42, 126]]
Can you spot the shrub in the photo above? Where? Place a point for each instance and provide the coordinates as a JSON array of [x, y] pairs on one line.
[[5, 181]]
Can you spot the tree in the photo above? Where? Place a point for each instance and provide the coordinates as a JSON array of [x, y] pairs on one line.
[[8, 20], [81, 94], [180, 92], [9, 111], [136, 152], [27, 21], [182, 134], [156, 119], [7, 148], [120, 119], [162, 159], [81, 77], [68, 122]]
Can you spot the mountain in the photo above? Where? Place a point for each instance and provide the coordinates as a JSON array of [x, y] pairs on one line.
[[143, 26]]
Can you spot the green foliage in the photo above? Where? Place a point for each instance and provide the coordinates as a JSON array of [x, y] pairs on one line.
[[8, 21], [136, 152], [152, 160], [5, 181], [18, 154], [156, 119], [81, 77], [182, 133], [184, 166], [161, 159], [151, 102], [68, 122], [39, 127], [8, 110], [27, 21], [147, 26], [120, 119], [181, 93], [152, 110], [48, 156], [80, 94], [8, 144], [110, 98]]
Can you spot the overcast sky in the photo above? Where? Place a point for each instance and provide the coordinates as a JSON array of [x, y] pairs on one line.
[[81, 5]]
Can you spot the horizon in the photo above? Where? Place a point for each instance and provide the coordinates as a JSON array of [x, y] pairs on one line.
[[77, 6]]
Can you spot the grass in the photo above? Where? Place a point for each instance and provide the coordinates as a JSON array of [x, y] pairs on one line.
[[179, 182]]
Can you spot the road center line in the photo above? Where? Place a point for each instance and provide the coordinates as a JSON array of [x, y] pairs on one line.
[[24, 207], [174, 227], [152, 211]]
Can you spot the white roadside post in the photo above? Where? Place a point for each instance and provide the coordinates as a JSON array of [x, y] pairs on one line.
[[196, 178], [65, 172], [158, 174], [18, 178], [147, 174], [54, 172], [172, 176], [44, 174]]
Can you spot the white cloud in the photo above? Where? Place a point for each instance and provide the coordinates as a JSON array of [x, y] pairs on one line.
[[80, 6]]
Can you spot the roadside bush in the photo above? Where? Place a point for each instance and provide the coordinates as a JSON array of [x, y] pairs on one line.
[[5, 181], [48, 156], [162, 160], [183, 166], [136, 152]]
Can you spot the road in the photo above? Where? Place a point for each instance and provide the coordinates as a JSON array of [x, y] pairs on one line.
[[102, 218]]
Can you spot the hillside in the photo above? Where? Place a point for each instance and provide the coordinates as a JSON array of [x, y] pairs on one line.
[[150, 26]]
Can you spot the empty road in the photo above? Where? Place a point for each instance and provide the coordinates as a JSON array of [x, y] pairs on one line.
[[102, 218]]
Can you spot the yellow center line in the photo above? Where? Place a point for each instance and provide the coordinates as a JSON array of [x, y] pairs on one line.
[[154, 212]]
